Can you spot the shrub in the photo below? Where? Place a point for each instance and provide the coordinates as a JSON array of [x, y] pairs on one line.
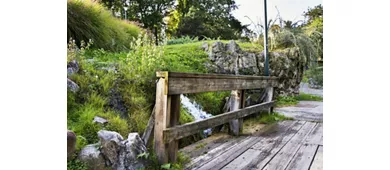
[[182, 40], [89, 20]]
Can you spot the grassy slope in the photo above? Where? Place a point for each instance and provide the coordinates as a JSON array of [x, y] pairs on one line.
[[90, 20]]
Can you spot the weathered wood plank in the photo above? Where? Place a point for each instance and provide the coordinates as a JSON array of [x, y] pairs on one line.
[[181, 131], [173, 146], [213, 76], [225, 158], [149, 128], [234, 125], [303, 158], [196, 85], [283, 157], [269, 95], [263, 151], [203, 159], [315, 137], [161, 122], [242, 105], [317, 162]]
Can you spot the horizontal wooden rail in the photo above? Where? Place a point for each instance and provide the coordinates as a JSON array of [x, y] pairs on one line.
[[184, 83], [178, 132]]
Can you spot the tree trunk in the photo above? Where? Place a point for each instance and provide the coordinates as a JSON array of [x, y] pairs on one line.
[[156, 35]]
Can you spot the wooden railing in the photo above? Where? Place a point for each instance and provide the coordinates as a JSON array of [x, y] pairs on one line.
[[167, 109]]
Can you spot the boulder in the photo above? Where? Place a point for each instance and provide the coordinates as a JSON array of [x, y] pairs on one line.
[[71, 142], [72, 86], [132, 147], [73, 67], [122, 154], [92, 157], [111, 143]]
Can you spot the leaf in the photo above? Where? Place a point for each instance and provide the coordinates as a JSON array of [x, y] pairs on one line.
[[143, 155], [166, 166]]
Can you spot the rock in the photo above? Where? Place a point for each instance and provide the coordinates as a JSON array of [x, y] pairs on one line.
[[73, 67], [72, 86], [205, 46], [132, 147], [100, 120], [285, 64], [92, 157], [111, 145], [71, 142], [122, 154]]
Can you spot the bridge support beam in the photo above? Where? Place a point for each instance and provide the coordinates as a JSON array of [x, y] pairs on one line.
[[167, 113]]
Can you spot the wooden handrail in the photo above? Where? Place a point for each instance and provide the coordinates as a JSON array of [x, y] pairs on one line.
[[181, 131], [184, 83], [167, 108]]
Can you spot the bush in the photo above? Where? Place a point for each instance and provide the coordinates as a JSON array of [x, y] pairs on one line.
[[89, 20], [182, 40]]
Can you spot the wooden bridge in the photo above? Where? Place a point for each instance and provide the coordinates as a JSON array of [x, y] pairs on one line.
[[292, 146]]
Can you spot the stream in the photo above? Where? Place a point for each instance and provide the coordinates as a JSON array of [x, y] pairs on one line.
[[196, 111]]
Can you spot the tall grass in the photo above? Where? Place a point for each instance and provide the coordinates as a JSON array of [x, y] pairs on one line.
[[89, 20]]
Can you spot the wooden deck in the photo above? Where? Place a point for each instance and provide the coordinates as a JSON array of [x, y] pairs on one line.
[[293, 145]]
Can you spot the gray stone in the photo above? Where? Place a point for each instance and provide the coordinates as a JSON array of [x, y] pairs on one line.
[[111, 144], [71, 142], [72, 86], [73, 67], [285, 64], [132, 147], [205, 46], [100, 120], [122, 154], [92, 157]]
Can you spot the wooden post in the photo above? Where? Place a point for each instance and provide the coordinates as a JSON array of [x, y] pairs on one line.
[[242, 105], [269, 95], [234, 105], [161, 117], [174, 120]]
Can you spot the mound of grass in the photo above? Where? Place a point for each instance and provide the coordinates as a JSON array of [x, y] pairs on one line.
[[308, 97], [89, 20], [282, 101]]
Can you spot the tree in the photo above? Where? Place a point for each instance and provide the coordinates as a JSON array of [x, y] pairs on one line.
[[207, 19], [313, 13]]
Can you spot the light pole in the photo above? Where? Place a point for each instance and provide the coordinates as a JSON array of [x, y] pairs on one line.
[[126, 11], [266, 57]]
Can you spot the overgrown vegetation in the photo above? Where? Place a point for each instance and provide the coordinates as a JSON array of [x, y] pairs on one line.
[[283, 101], [90, 20], [307, 97], [265, 118]]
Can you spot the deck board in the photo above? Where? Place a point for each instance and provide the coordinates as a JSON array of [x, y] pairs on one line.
[[317, 162], [295, 145]]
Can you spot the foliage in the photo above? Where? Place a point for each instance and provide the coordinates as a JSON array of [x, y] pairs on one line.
[[265, 118], [185, 116], [89, 20], [313, 13], [206, 19], [211, 102], [272, 118], [76, 164], [182, 40], [282, 101], [314, 76], [308, 97]]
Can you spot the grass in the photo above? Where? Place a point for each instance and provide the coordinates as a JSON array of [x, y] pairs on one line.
[[265, 118], [308, 97], [90, 20], [283, 101]]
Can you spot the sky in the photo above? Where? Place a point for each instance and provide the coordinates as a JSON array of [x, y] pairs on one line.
[[289, 9]]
